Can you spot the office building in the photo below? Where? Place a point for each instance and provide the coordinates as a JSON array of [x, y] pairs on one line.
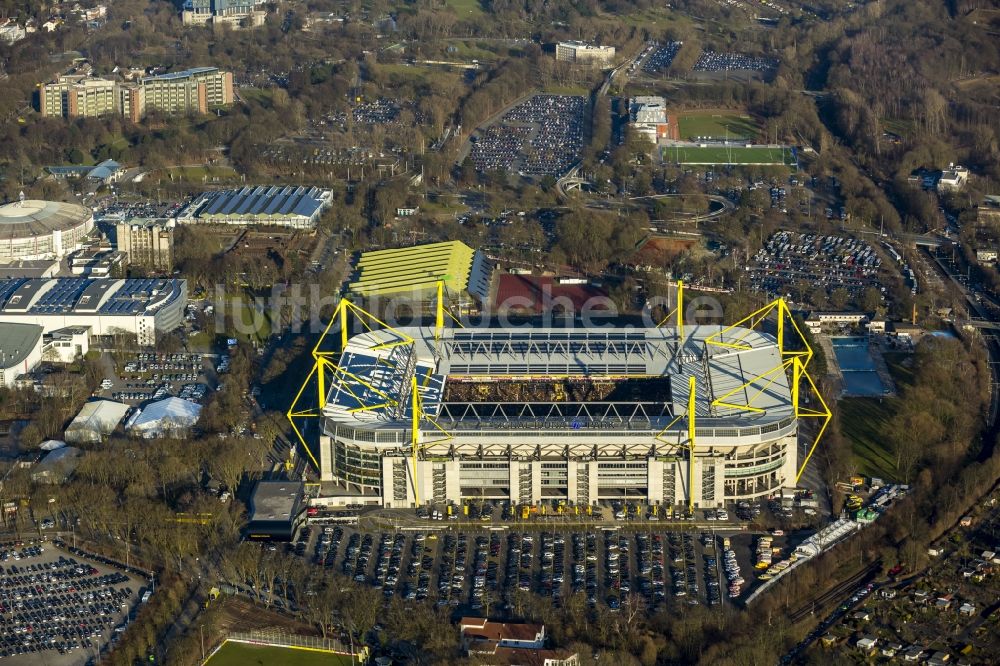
[[189, 91], [233, 13], [583, 53], [78, 96], [147, 242]]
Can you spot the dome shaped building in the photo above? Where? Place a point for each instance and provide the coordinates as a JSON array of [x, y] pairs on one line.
[[31, 229]]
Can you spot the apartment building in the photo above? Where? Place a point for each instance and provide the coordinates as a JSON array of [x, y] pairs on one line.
[[147, 242]]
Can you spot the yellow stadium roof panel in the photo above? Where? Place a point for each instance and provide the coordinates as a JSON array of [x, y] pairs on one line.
[[414, 269]]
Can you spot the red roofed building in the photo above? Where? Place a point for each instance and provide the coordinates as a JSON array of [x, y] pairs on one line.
[[519, 644], [540, 294]]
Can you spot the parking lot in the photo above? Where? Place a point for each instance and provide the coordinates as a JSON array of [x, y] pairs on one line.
[[834, 262], [59, 607], [714, 61], [661, 58], [541, 136], [151, 376], [376, 112], [129, 209], [472, 567]]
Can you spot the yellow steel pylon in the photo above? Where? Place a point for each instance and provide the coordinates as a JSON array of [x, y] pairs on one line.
[[691, 433], [797, 360]]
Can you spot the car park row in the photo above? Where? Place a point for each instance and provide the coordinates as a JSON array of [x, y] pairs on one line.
[[52, 602], [475, 569]]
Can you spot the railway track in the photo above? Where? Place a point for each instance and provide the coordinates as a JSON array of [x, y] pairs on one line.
[[835, 594]]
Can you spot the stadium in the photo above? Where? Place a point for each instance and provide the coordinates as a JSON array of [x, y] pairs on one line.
[[699, 416], [32, 229]]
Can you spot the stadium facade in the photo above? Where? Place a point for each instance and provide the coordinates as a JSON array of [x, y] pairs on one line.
[[529, 415]]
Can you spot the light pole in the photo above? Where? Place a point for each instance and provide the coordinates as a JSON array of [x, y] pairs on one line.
[[201, 631]]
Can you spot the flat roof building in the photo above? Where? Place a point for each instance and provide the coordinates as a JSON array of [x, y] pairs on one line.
[[189, 91], [147, 242], [233, 13], [276, 510], [648, 117], [107, 306], [584, 53], [195, 90], [296, 207]]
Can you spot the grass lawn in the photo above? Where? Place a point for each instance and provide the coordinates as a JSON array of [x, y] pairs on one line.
[[861, 420], [465, 8], [717, 126], [428, 74], [242, 654], [728, 155]]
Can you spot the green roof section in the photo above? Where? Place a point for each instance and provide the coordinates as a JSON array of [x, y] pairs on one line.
[[414, 269]]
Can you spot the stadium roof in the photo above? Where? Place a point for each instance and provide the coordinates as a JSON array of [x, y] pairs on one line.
[[414, 269], [96, 419], [382, 363], [17, 341], [32, 217]]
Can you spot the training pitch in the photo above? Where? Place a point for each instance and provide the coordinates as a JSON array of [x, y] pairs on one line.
[[717, 155], [716, 126], [243, 654]]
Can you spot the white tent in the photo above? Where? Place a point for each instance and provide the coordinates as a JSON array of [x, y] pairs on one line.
[[52, 445], [164, 417], [96, 420]]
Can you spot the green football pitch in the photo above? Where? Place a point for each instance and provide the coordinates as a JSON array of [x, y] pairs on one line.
[[716, 126], [243, 654], [728, 155]]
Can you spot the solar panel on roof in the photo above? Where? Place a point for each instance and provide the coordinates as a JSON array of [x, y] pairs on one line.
[[216, 202]]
